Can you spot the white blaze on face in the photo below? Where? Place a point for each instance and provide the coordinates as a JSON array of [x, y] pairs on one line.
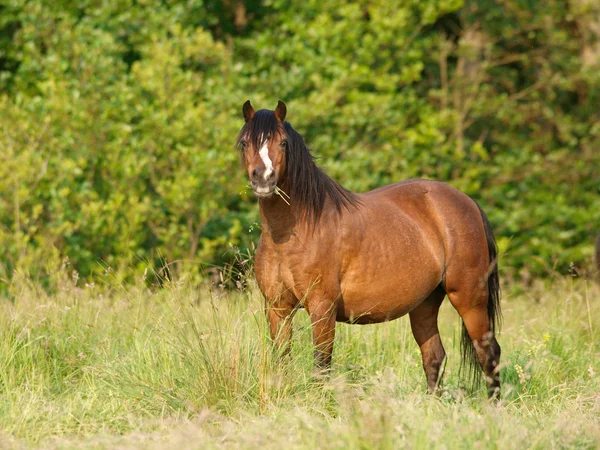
[[264, 154]]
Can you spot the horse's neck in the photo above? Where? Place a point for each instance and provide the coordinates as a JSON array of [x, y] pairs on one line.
[[277, 218]]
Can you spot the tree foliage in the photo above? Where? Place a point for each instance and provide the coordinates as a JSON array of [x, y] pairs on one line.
[[117, 120]]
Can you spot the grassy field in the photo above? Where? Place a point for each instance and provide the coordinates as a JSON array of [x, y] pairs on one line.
[[131, 368]]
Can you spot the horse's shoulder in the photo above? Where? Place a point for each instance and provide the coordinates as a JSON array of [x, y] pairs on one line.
[[263, 254]]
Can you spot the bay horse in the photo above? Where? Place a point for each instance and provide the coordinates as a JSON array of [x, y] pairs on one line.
[[368, 258]]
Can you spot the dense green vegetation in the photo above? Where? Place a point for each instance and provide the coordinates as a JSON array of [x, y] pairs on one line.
[[117, 120], [184, 368], [117, 167]]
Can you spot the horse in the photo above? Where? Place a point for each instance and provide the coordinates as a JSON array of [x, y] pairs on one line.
[[371, 257]]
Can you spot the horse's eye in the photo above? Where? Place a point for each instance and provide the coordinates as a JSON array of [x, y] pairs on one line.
[[243, 145], [284, 144]]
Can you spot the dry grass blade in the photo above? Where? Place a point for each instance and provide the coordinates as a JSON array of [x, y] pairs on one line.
[[282, 194]]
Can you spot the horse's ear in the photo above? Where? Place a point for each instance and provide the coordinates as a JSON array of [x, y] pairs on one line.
[[280, 111], [248, 111]]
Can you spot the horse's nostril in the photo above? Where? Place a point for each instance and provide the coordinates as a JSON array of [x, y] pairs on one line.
[[256, 173]]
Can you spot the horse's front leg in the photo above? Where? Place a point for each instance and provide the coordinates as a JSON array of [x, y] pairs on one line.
[[280, 313], [322, 316]]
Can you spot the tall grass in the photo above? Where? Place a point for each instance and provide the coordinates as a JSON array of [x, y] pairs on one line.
[[194, 368]]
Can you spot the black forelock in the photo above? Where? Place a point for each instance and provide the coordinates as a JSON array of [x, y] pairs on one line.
[[263, 125]]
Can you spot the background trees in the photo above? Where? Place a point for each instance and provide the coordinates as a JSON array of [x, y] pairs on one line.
[[117, 120]]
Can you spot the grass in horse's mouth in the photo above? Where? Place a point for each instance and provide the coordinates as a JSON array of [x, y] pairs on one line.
[[282, 194]]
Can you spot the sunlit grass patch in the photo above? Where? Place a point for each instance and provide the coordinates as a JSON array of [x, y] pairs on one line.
[[195, 368]]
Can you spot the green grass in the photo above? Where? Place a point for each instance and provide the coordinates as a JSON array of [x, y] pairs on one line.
[[189, 368]]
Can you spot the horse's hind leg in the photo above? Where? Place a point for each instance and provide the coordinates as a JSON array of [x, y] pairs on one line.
[[423, 321], [475, 317]]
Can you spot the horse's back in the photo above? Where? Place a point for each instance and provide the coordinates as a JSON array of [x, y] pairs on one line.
[[430, 202], [445, 214], [415, 188]]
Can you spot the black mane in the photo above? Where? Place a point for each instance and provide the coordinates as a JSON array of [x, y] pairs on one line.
[[306, 184]]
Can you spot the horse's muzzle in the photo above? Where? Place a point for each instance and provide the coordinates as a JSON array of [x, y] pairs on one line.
[[263, 190]]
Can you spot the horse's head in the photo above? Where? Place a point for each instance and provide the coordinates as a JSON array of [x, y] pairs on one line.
[[263, 142]]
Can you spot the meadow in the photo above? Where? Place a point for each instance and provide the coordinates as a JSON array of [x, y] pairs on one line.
[[122, 366], [117, 130]]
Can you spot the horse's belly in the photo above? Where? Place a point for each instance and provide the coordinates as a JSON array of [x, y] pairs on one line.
[[358, 313], [371, 306], [388, 286]]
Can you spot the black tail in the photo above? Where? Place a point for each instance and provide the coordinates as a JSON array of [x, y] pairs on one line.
[[470, 362]]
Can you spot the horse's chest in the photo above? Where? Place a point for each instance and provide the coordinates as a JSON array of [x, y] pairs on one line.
[[273, 271], [278, 271]]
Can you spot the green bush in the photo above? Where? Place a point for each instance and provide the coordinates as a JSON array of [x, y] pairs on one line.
[[117, 121]]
